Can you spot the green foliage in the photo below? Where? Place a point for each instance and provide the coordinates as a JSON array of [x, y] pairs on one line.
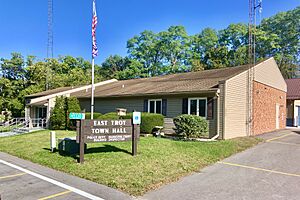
[[149, 121], [151, 54], [111, 115], [191, 126], [88, 115], [58, 115], [59, 118], [72, 105]]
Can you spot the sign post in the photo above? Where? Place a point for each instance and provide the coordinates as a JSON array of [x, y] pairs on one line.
[[136, 121], [81, 143]]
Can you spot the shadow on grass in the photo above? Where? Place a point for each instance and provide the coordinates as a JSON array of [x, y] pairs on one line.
[[103, 149]]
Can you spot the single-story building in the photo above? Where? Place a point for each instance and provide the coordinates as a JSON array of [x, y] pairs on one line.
[[293, 102], [220, 95]]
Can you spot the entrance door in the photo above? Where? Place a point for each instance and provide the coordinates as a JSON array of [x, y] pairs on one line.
[[277, 116]]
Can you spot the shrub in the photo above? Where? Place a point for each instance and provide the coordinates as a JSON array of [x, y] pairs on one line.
[[59, 118], [111, 115], [191, 126], [150, 120], [88, 115], [58, 114], [72, 105]]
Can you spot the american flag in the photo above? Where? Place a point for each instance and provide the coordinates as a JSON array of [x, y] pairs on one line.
[[94, 25]]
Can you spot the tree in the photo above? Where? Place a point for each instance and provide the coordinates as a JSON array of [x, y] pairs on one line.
[[146, 49], [13, 68], [72, 105], [58, 114], [286, 25], [175, 46]]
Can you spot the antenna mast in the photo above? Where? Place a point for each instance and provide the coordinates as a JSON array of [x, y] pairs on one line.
[[50, 30], [252, 60], [50, 39]]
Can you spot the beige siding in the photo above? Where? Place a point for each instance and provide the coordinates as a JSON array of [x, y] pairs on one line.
[[269, 74], [236, 106]]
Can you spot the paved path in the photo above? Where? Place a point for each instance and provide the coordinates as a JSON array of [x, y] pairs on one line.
[[20, 179], [270, 170]]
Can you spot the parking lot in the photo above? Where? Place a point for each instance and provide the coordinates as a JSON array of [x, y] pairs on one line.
[[21, 179], [270, 170]]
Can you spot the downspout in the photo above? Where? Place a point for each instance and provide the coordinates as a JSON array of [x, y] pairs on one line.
[[218, 121]]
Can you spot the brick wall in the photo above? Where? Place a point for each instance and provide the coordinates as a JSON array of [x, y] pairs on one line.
[[265, 99]]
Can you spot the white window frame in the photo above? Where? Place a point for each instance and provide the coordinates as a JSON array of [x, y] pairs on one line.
[[155, 100], [197, 98]]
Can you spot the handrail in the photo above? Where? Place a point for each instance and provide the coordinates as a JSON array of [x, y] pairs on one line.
[[21, 123]]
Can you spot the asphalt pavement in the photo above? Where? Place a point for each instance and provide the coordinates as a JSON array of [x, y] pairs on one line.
[[20, 179], [270, 170]]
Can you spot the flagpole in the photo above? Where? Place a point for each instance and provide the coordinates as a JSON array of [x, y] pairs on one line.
[[94, 54], [93, 89]]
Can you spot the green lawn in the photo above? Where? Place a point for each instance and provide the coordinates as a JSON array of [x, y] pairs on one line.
[[159, 161]]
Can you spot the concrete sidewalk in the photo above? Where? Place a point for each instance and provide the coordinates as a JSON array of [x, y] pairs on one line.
[[16, 184], [270, 170]]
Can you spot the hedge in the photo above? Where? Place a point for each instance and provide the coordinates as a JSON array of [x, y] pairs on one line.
[[149, 120], [88, 115], [191, 126]]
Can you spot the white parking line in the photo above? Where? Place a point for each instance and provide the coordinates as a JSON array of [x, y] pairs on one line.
[[62, 185]]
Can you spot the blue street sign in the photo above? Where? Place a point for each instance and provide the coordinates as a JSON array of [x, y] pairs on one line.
[[77, 116], [136, 117]]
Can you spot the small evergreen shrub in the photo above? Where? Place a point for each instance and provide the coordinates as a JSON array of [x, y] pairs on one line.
[[191, 126], [72, 105], [59, 118], [58, 114]]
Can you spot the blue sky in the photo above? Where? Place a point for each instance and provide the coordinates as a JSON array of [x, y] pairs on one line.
[[24, 23]]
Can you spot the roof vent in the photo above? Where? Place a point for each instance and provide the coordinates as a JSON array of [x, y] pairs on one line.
[[123, 86]]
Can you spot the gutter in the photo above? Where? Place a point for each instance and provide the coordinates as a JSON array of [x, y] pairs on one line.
[[218, 121]]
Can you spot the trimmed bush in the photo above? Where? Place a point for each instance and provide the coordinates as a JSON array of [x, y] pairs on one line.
[[88, 115], [191, 126], [149, 121], [58, 114], [111, 115]]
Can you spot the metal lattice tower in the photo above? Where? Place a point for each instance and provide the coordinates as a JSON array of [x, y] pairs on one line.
[[49, 40], [50, 30], [252, 61]]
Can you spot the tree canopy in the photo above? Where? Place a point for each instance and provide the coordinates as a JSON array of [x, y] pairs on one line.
[[151, 54]]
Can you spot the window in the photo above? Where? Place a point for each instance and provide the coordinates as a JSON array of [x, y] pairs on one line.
[[155, 106], [197, 106]]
